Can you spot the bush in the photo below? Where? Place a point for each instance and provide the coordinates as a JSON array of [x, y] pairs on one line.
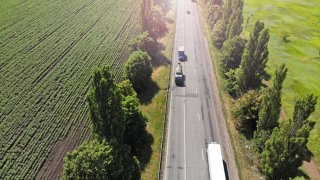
[[231, 54], [232, 83], [144, 42], [98, 159], [246, 112], [138, 70], [219, 34], [214, 15]]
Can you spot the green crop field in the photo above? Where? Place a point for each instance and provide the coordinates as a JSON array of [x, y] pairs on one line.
[[48, 51], [295, 40]]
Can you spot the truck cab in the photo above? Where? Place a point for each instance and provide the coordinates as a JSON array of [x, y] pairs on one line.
[[178, 76], [181, 54]]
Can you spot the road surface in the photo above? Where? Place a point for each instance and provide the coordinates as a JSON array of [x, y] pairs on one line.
[[195, 116]]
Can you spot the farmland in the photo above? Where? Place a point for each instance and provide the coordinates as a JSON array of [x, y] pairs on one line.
[[295, 40], [48, 52]]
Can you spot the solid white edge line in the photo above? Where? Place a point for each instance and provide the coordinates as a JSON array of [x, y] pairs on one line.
[[202, 154], [199, 118], [184, 131]]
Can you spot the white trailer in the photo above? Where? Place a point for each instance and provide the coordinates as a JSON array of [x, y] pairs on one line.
[[215, 162]]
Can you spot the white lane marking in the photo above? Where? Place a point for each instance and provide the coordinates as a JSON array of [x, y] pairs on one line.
[[199, 118], [196, 90], [202, 154], [194, 71], [184, 131]]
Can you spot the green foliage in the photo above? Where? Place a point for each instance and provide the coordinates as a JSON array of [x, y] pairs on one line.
[[231, 54], [152, 19], [214, 15], [254, 59], [144, 42], [98, 159], [138, 70], [230, 25], [283, 152], [49, 51], [125, 89], [232, 83], [104, 100], [218, 35], [233, 20], [135, 131], [246, 111], [270, 107]]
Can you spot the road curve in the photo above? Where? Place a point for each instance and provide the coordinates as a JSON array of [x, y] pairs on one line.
[[195, 116]]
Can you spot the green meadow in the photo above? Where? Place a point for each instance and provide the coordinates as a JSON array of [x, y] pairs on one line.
[[295, 40]]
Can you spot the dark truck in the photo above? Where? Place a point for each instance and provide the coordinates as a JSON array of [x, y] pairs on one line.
[[178, 76]]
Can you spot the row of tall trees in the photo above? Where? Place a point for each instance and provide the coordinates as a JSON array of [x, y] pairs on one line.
[[280, 144], [115, 116], [117, 123]]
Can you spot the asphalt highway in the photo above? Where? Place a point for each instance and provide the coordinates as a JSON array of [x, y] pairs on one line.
[[195, 116]]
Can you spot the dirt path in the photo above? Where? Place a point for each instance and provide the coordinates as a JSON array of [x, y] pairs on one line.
[[52, 168], [311, 170]]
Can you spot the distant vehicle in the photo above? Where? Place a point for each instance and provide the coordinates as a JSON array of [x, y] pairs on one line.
[[188, 12], [178, 76], [215, 161], [181, 55]]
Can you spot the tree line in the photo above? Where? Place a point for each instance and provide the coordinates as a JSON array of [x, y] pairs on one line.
[[118, 126], [279, 144]]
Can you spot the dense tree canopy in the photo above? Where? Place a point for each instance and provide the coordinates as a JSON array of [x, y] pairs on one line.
[[254, 59], [270, 108], [144, 42], [230, 24], [231, 53], [246, 112], [138, 70], [135, 131], [283, 152], [106, 115], [152, 19], [97, 159]]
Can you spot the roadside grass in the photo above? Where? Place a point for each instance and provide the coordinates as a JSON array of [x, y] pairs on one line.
[[245, 157], [155, 110], [294, 40]]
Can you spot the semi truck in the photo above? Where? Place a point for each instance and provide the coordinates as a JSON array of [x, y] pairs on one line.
[[215, 161]]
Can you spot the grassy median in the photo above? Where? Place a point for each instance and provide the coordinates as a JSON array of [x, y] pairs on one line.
[[155, 106]]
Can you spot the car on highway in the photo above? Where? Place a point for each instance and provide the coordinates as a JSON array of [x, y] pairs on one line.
[[181, 55], [188, 12]]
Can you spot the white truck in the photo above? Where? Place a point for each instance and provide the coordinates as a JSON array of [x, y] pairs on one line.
[[215, 161], [178, 76]]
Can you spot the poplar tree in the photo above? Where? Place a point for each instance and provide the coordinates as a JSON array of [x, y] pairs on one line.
[[106, 115], [270, 108], [230, 24], [254, 59], [283, 152], [136, 122]]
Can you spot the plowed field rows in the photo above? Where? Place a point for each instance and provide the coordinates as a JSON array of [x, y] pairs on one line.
[[48, 52]]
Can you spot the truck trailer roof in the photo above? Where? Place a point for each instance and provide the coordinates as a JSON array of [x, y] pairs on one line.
[[215, 161]]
